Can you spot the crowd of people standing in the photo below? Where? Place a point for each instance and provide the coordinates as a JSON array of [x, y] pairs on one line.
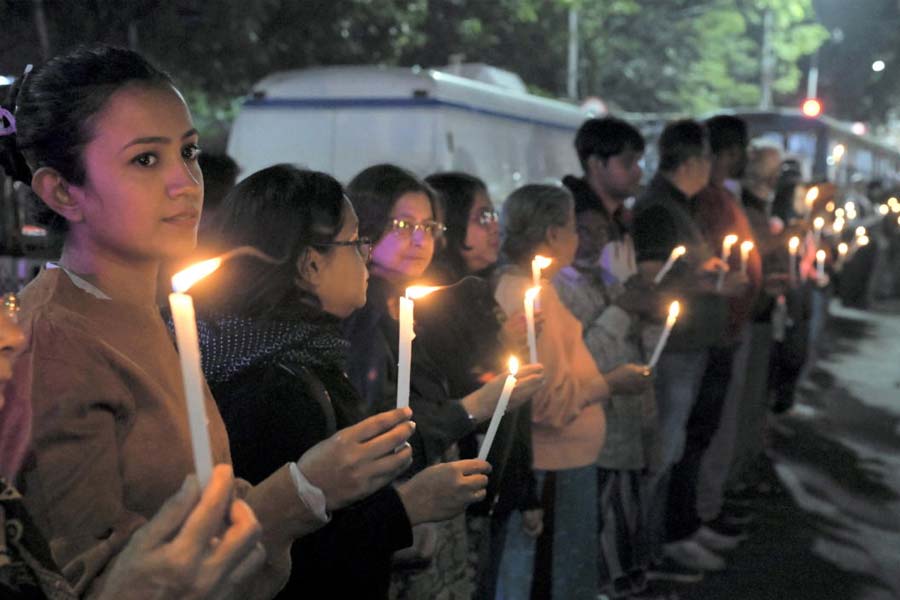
[[607, 474]]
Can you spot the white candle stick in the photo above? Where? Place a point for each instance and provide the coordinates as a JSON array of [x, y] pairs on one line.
[[811, 196], [500, 409], [538, 264], [530, 296], [674, 308], [729, 241], [820, 264], [793, 247], [407, 334], [746, 249], [185, 321], [677, 252], [843, 249], [818, 225]]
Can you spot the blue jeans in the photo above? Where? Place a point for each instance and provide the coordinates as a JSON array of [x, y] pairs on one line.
[[678, 376], [569, 542]]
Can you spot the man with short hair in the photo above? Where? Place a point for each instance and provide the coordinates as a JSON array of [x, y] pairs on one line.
[[610, 152], [662, 221]]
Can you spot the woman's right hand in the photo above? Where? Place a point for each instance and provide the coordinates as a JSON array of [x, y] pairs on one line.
[[443, 491], [359, 460], [196, 546], [482, 402]]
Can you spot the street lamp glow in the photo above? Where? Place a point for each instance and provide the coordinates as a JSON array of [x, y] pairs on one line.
[[4, 80], [878, 66]]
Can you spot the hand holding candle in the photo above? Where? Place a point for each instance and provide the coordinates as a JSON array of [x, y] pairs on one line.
[[530, 296], [407, 333], [677, 252], [500, 409], [746, 249], [674, 309]]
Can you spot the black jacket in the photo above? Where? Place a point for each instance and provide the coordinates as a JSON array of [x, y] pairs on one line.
[[276, 411]]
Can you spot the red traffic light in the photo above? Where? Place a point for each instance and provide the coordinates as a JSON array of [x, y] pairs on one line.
[[812, 107]]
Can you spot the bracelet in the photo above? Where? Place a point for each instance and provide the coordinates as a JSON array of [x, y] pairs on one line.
[[311, 496]]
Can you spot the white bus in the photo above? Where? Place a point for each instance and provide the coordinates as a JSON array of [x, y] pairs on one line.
[[343, 119]]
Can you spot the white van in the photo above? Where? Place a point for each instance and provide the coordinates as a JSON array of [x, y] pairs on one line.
[[343, 119]]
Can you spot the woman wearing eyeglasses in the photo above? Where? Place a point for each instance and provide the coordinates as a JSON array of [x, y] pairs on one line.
[[398, 212], [274, 357], [472, 348]]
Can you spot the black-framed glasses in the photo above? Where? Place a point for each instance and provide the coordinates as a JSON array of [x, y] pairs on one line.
[[405, 229], [363, 246], [487, 216]]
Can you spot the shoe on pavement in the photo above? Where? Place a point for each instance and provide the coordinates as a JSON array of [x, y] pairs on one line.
[[690, 553], [669, 570], [715, 541]]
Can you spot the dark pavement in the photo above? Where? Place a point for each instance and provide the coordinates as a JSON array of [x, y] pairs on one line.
[[831, 527]]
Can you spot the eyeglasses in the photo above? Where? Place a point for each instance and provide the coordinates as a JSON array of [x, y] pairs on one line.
[[488, 216], [363, 246], [406, 229]]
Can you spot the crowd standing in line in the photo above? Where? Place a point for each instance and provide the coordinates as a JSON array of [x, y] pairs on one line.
[[608, 474]]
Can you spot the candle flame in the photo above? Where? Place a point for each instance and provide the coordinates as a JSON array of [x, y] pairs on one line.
[[883, 209], [730, 240], [838, 225], [541, 262], [674, 309], [860, 231], [839, 213], [678, 251], [812, 195], [531, 293], [818, 222], [513, 365], [820, 255], [794, 243], [863, 240], [183, 280], [746, 247], [419, 291], [830, 207], [843, 248]]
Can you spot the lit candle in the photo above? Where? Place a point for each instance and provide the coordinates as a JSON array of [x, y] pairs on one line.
[[677, 252], [811, 196], [793, 246], [862, 240], [746, 249], [407, 333], [838, 225], [729, 241], [670, 323], [843, 249], [860, 231], [500, 409], [538, 264], [818, 224], [839, 213], [820, 263], [185, 322], [530, 295]]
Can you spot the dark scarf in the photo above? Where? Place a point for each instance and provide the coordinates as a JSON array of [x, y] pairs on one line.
[[230, 344]]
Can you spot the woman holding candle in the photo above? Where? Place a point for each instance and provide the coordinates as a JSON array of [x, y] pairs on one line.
[[613, 316], [471, 349], [274, 357], [114, 155], [568, 423], [397, 211]]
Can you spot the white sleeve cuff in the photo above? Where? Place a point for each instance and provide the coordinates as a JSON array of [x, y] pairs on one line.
[[310, 495]]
